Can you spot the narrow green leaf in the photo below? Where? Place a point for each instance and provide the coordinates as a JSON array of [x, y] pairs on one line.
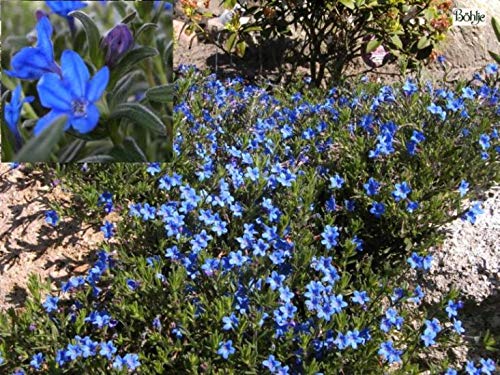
[[161, 94], [231, 42], [495, 56], [496, 27], [423, 42], [93, 36], [372, 45], [139, 115], [97, 159], [129, 18], [69, 153], [39, 148], [130, 59], [144, 28], [396, 40], [123, 88]]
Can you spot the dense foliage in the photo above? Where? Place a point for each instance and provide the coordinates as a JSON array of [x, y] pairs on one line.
[[328, 35], [281, 239]]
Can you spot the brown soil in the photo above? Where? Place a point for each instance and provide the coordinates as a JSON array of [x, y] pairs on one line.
[[28, 244]]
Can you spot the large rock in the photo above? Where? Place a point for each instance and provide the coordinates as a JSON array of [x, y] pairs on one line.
[[466, 47]]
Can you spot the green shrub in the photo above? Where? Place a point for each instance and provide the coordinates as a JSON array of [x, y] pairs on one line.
[[254, 240], [328, 35]]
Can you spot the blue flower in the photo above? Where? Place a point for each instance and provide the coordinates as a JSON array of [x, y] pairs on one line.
[[412, 206], [391, 319], [484, 141], [457, 326], [360, 297], [463, 188], [12, 112], [437, 110], [336, 182], [378, 209], [72, 95], [488, 366], [474, 210], [131, 360], [51, 217], [433, 327], [330, 236], [271, 363], [401, 192], [32, 62], [409, 88], [389, 353], [491, 68], [108, 229], [50, 304], [453, 307], [230, 322], [419, 262], [372, 187], [62, 8], [226, 349], [36, 361], [468, 93], [107, 349], [153, 168]]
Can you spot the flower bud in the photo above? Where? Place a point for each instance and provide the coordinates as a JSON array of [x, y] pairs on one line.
[[117, 42]]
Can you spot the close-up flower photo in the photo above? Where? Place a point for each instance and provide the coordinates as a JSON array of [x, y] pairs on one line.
[[86, 81]]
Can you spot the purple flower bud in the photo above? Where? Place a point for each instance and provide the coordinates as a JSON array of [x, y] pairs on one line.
[[40, 13], [117, 42]]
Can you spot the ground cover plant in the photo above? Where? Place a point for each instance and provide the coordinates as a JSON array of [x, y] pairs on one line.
[[94, 79], [327, 36], [278, 240]]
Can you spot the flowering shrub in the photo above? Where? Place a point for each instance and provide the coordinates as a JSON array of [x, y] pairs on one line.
[[327, 35], [277, 241], [90, 95]]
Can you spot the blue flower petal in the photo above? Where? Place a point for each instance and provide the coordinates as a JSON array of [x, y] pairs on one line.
[[85, 124], [75, 72], [46, 121], [54, 93], [44, 35], [30, 63], [97, 85]]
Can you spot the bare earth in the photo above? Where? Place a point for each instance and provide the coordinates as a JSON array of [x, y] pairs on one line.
[[28, 244]]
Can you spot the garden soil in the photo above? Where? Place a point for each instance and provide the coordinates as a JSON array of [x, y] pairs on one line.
[[28, 244]]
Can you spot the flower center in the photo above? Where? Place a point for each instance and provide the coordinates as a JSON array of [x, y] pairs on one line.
[[79, 107]]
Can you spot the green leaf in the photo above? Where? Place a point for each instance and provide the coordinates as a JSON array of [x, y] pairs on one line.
[[130, 59], [39, 149], [97, 159], [231, 42], [145, 28], [69, 153], [372, 45], [495, 56], [93, 36], [397, 41], [161, 94], [348, 3], [129, 18], [241, 47], [423, 42], [123, 88], [140, 115], [129, 152], [496, 27]]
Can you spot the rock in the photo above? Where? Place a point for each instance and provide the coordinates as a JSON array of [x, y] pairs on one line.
[[466, 47]]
